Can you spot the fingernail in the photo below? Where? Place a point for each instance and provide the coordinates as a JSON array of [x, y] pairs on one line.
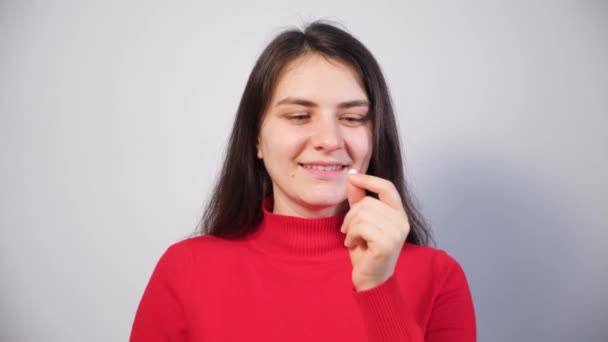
[[352, 172]]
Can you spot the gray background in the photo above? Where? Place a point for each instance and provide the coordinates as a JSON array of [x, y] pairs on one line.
[[114, 117]]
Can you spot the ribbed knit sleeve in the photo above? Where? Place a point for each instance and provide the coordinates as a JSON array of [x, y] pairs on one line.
[[160, 315], [388, 317], [453, 315]]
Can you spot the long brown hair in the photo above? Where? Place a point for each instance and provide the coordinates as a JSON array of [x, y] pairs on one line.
[[235, 205]]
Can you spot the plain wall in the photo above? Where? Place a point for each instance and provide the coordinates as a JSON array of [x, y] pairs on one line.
[[114, 116]]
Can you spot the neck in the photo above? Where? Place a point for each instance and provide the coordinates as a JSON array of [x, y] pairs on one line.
[[291, 236], [303, 210]]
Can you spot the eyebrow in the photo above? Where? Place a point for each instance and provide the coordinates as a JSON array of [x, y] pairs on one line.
[[308, 103]]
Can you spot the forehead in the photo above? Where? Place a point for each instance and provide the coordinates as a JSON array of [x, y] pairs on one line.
[[321, 79]]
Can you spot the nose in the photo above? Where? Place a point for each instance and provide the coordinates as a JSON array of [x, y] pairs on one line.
[[327, 136]]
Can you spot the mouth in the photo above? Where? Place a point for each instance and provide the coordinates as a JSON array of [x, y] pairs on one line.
[[324, 167]]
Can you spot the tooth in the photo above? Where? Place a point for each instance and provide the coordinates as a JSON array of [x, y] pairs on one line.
[[323, 167]]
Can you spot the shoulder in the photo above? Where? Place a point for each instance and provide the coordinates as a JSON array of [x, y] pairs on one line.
[[205, 248], [433, 260], [435, 281], [428, 254]]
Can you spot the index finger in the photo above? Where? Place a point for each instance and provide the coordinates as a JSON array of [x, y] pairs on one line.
[[385, 189]]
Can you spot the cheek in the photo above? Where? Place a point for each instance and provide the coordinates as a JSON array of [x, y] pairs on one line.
[[361, 146], [282, 146]]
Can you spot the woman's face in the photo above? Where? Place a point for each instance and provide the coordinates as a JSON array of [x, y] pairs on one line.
[[316, 128]]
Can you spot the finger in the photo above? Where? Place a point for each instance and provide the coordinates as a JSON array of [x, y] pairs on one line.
[[390, 221], [350, 215], [364, 233], [386, 191], [353, 193], [359, 208], [354, 236], [373, 210], [383, 215]]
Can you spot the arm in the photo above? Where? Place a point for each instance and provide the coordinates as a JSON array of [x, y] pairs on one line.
[[453, 315], [386, 315], [160, 316], [389, 318], [376, 230]]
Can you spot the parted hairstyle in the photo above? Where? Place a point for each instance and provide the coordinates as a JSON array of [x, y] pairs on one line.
[[235, 206]]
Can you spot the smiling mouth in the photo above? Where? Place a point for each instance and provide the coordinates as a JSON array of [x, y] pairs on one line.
[[326, 168]]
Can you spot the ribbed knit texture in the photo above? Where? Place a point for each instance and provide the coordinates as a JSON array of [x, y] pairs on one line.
[[291, 281], [300, 237]]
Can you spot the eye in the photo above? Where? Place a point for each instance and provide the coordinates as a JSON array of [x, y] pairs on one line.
[[353, 119], [298, 117]]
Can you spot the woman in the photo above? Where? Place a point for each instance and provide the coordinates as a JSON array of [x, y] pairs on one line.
[[311, 233]]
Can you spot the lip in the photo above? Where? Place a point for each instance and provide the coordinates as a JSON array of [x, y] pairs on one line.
[[324, 175], [323, 163]]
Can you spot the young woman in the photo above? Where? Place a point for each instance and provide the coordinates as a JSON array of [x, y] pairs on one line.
[[311, 233]]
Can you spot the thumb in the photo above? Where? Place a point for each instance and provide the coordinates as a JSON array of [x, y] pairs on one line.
[[353, 193]]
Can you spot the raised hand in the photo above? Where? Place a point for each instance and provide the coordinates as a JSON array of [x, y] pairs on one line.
[[375, 229]]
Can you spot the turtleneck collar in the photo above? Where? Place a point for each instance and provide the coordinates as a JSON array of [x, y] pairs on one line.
[[292, 236]]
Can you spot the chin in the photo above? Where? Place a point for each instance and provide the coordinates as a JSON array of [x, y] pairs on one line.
[[325, 201]]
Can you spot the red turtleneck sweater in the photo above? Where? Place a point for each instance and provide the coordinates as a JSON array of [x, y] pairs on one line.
[[291, 281]]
